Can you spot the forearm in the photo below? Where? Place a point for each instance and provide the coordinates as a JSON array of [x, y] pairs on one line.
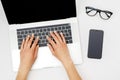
[[22, 74], [71, 70]]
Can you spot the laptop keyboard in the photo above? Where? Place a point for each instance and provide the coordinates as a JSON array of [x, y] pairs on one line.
[[42, 32]]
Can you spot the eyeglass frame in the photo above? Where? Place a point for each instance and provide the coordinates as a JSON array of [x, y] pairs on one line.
[[99, 11]]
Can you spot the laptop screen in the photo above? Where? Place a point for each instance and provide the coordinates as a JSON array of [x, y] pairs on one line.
[[27, 11]]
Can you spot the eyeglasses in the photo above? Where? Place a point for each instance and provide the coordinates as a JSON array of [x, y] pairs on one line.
[[104, 14]]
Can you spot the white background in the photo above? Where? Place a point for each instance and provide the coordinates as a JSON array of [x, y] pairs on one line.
[[108, 68]]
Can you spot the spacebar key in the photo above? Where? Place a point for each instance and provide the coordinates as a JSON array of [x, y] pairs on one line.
[[41, 45]]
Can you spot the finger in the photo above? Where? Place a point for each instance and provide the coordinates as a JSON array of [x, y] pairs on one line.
[[63, 38], [54, 37], [26, 41], [51, 48], [50, 41], [22, 45], [58, 36], [35, 43], [30, 41], [36, 51]]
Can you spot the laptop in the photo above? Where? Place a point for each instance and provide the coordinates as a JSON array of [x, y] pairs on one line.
[[40, 17]]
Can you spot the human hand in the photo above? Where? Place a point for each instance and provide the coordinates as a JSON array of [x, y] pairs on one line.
[[59, 47], [28, 53]]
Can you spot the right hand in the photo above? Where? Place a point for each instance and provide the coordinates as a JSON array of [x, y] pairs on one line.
[[59, 47]]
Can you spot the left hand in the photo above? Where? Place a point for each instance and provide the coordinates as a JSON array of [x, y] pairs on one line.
[[28, 53]]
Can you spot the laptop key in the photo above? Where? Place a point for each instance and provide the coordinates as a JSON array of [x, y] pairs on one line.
[[18, 32]]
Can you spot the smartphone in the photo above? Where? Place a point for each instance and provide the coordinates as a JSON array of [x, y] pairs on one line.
[[95, 44]]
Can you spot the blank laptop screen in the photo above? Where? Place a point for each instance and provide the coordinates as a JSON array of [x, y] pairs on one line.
[[27, 11]]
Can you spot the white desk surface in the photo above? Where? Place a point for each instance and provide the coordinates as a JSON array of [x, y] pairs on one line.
[[108, 68]]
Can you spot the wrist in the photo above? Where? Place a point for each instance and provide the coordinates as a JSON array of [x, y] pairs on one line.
[[67, 62], [23, 72], [24, 67]]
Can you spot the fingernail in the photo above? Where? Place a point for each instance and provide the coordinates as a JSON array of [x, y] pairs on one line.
[[51, 32], [37, 37], [61, 33], [37, 45], [47, 36], [28, 36], [32, 34], [47, 44]]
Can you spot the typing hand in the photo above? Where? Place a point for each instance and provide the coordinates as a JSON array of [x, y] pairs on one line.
[[28, 53], [58, 47]]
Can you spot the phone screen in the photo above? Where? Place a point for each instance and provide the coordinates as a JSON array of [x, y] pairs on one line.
[[95, 44]]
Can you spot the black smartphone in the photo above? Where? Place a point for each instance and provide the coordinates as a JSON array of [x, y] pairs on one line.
[[95, 44]]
